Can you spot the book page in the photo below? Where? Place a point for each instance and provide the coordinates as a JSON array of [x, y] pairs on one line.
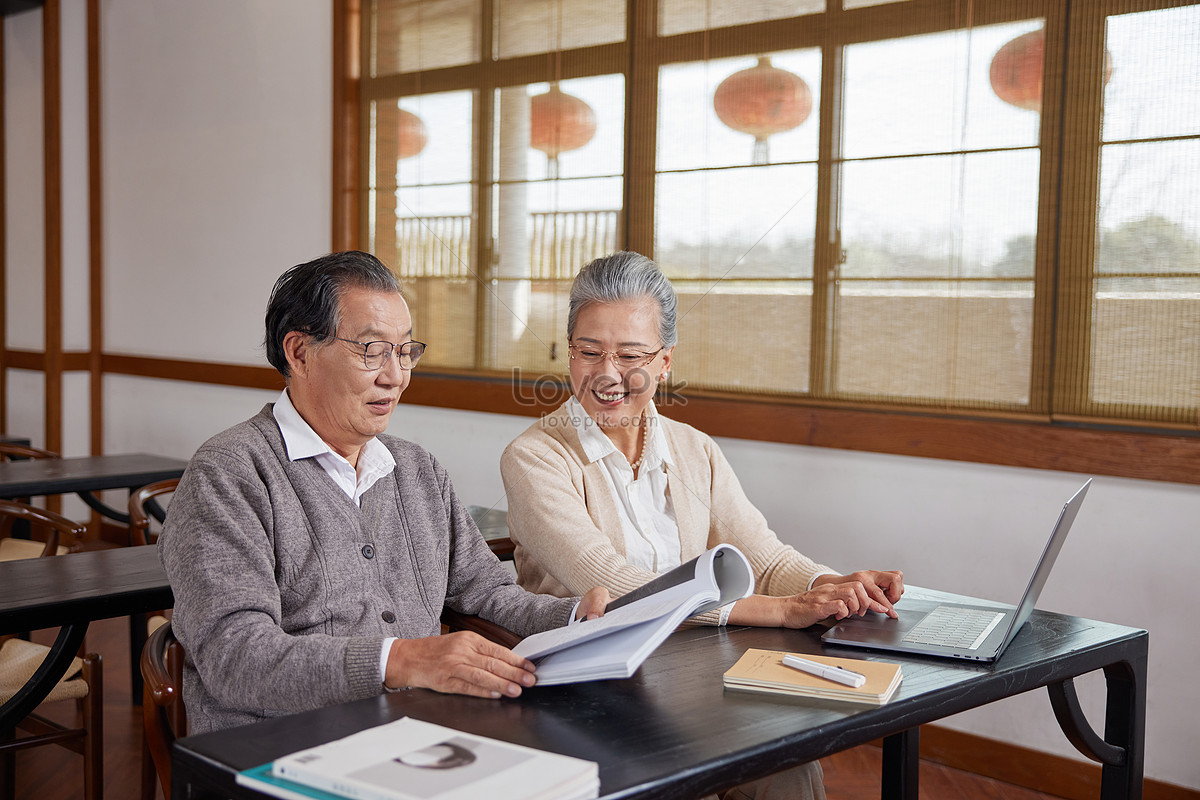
[[723, 570], [644, 610], [615, 645], [684, 573]]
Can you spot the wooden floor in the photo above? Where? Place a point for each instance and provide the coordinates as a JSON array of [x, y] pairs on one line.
[[52, 773]]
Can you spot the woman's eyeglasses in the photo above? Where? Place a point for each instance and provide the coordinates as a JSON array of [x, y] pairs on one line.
[[622, 359]]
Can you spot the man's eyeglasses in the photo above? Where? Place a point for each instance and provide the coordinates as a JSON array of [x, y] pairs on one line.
[[376, 354], [622, 359]]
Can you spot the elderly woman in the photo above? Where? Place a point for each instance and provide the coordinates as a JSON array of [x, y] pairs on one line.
[[605, 491], [310, 553]]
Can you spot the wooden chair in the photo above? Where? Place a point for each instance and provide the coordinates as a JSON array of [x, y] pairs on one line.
[[164, 716], [19, 659], [13, 548], [144, 509], [13, 452]]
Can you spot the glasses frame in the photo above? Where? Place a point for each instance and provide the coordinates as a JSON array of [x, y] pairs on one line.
[[399, 361], [611, 355]]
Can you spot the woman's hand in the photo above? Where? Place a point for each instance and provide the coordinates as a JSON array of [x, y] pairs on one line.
[[592, 604], [837, 596], [883, 588]]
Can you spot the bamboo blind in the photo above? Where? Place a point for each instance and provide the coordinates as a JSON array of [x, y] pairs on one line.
[[915, 242]]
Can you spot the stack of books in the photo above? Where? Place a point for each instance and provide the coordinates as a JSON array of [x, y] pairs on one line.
[[765, 671], [411, 760]]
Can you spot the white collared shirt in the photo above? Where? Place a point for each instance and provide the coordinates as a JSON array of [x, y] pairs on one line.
[[374, 460], [643, 503]]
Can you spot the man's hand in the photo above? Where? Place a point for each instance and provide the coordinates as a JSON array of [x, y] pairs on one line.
[[592, 604], [458, 663]]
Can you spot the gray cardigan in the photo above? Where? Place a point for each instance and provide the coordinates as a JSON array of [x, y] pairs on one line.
[[285, 589]]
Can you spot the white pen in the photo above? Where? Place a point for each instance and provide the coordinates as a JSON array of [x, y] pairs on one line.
[[838, 674]]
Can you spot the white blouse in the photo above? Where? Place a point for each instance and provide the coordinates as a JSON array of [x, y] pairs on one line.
[[643, 503]]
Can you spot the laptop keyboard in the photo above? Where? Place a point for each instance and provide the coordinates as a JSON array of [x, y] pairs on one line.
[[950, 626]]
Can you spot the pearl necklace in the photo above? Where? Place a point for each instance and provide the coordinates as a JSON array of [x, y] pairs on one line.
[[637, 462]]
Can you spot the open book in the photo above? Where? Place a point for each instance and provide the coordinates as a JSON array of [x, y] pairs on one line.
[[411, 760], [633, 625]]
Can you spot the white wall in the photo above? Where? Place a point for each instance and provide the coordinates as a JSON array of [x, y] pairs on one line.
[[24, 244], [216, 178], [217, 158]]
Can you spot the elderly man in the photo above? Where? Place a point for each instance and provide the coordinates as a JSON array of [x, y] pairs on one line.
[[310, 553]]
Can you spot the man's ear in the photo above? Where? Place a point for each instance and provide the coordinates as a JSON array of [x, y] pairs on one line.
[[297, 349]]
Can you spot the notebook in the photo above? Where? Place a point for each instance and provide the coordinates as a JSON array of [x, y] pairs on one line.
[[957, 630]]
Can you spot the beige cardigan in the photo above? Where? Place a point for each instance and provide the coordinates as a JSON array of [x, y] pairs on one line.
[[564, 520]]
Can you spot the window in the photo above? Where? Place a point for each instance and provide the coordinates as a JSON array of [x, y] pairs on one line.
[[933, 299], [1144, 328], [422, 204], [490, 177], [557, 205], [734, 219], [981, 208]]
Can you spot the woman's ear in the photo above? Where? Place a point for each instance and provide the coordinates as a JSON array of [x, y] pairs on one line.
[[296, 348], [666, 362]]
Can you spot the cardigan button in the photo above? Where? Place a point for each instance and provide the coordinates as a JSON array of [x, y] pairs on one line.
[[368, 551], [389, 617]]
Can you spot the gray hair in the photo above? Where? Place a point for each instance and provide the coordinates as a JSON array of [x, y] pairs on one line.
[[308, 298], [624, 276]]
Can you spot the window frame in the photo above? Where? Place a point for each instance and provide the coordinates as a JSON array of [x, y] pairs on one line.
[[1076, 439]]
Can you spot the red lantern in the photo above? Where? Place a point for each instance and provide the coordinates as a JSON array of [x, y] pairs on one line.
[[1016, 71], [559, 122], [411, 134], [761, 101]]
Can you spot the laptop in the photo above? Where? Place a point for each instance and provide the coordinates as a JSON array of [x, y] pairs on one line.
[[957, 630]]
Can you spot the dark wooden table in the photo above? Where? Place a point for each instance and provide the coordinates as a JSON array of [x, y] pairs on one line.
[[70, 591], [85, 474], [672, 731]]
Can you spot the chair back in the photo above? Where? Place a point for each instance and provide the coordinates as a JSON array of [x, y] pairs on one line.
[[144, 506], [53, 526], [11, 452], [164, 715], [19, 452]]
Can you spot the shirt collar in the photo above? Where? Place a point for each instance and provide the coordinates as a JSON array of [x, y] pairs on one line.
[[656, 441], [302, 441], [596, 445]]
